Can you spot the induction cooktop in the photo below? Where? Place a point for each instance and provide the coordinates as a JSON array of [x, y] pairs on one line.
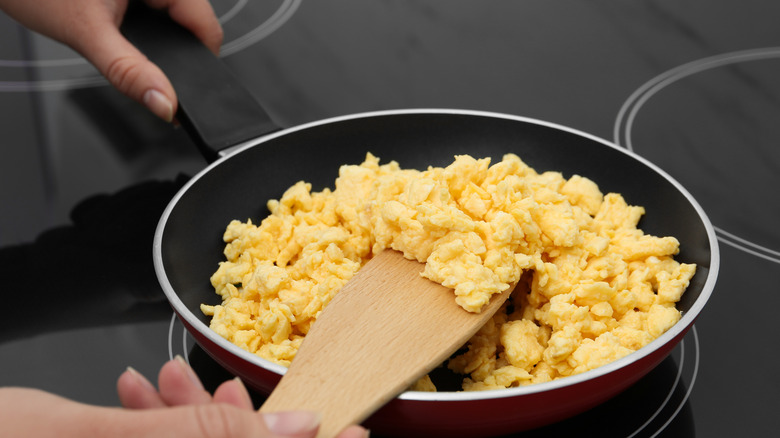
[[692, 86]]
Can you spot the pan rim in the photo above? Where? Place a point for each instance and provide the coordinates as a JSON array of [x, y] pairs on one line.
[[686, 321]]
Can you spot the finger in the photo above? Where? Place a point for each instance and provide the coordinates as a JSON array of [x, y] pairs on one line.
[[213, 420], [136, 392], [297, 424], [92, 29], [179, 385], [130, 72], [95, 34], [21, 409], [197, 16], [234, 392], [354, 432]]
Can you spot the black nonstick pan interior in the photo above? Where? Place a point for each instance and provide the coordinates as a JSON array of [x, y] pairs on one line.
[[239, 186]]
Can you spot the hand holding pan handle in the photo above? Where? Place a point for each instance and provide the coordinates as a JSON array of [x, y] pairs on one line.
[[214, 107]]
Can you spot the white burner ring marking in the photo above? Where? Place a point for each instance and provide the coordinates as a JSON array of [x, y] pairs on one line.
[[627, 115], [269, 26]]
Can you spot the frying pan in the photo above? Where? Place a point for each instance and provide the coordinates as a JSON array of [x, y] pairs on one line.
[[263, 161]]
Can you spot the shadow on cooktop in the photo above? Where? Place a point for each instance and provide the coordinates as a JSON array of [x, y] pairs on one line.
[[98, 271]]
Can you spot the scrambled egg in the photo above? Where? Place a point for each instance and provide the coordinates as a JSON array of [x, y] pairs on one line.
[[592, 287]]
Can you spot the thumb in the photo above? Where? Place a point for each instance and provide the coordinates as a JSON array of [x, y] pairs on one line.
[[212, 420], [130, 72]]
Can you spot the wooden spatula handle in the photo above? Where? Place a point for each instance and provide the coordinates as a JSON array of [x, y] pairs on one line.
[[385, 329]]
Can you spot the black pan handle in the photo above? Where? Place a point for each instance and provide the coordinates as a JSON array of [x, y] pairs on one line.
[[215, 109]]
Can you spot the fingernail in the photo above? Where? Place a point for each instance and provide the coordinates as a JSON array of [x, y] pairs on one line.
[[189, 371], [141, 379], [160, 105], [292, 422]]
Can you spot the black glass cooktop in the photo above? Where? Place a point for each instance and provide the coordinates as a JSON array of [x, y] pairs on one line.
[[694, 86]]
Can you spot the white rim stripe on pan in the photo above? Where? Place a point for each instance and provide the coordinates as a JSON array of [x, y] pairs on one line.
[[685, 321]]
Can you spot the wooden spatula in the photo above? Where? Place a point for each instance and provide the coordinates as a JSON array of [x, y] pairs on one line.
[[386, 328]]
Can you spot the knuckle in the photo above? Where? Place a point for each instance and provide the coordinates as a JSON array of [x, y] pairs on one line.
[[125, 72], [213, 420]]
